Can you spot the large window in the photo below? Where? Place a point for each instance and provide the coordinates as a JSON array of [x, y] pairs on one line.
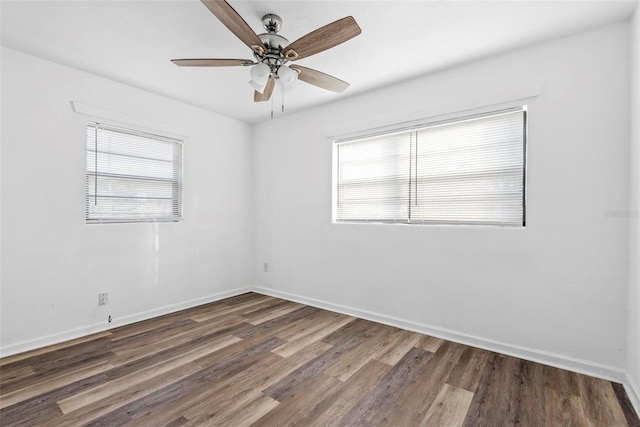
[[465, 171], [132, 176]]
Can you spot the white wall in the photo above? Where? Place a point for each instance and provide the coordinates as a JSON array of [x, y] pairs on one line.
[[555, 291], [54, 265], [633, 343]]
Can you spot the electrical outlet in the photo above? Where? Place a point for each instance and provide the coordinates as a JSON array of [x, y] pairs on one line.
[[266, 267], [103, 299]]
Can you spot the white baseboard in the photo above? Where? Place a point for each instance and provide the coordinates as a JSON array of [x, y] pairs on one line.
[[606, 372], [82, 331], [633, 392]]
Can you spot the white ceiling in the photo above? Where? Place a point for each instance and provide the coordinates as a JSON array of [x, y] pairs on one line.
[[133, 41]]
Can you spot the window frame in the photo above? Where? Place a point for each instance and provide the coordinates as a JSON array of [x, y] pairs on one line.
[[150, 134], [416, 126]]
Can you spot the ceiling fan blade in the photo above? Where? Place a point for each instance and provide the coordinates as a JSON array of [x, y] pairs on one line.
[[320, 79], [322, 39], [206, 62], [268, 90], [234, 22]]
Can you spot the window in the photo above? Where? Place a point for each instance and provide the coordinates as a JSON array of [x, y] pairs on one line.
[[132, 176], [465, 171]]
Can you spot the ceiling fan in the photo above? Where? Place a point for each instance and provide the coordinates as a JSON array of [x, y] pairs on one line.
[[272, 52]]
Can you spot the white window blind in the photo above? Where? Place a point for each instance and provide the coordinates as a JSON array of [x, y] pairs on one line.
[[467, 171], [132, 176]]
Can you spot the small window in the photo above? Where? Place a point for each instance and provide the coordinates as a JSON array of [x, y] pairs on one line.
[[466, 171], [132, 176]]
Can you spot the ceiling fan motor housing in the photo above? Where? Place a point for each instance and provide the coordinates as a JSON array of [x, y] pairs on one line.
[[273, 42]]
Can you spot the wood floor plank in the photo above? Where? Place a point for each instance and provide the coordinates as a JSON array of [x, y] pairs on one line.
[[335, 406], [247, 296], [151, 335], [224, 395], [563, 404], [496, 393], [603, 410], [250, 412], [221, 348], [100, 400], [295, 408], [129, 353], [224, 398], [400, 346], [289, 364], [16, 373], [42, 409], [58, 361], [258, 320], [173, 396], [370, 410], [142, 327], [357, 357], [229, 309], [310, 323], [429, 343], [356, 330], [416, 398], [52, 383], [259, 360], [625, 404], [121, 384], [179, 422], [281, 324], [313, 335], [531, 401], [449, 407], [262, 308], [221, 400], [105, 409], [468, 370], [290, 385], [152, 405], [48, 350], [267, 377]]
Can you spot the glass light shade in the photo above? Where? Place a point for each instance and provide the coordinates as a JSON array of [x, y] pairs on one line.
[[287, 76], [259, 76]]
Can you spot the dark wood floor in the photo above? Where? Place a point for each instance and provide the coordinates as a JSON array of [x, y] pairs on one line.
[[258, 360]]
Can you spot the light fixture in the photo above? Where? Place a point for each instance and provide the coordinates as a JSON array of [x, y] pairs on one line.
[[259, 76], [287, 77], [270, 67]]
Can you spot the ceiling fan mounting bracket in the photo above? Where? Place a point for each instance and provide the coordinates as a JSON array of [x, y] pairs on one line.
[[272, 23]]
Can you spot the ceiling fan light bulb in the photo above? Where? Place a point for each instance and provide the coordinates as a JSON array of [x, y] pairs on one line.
[[287, 76], [260, 74], [258, 87]]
